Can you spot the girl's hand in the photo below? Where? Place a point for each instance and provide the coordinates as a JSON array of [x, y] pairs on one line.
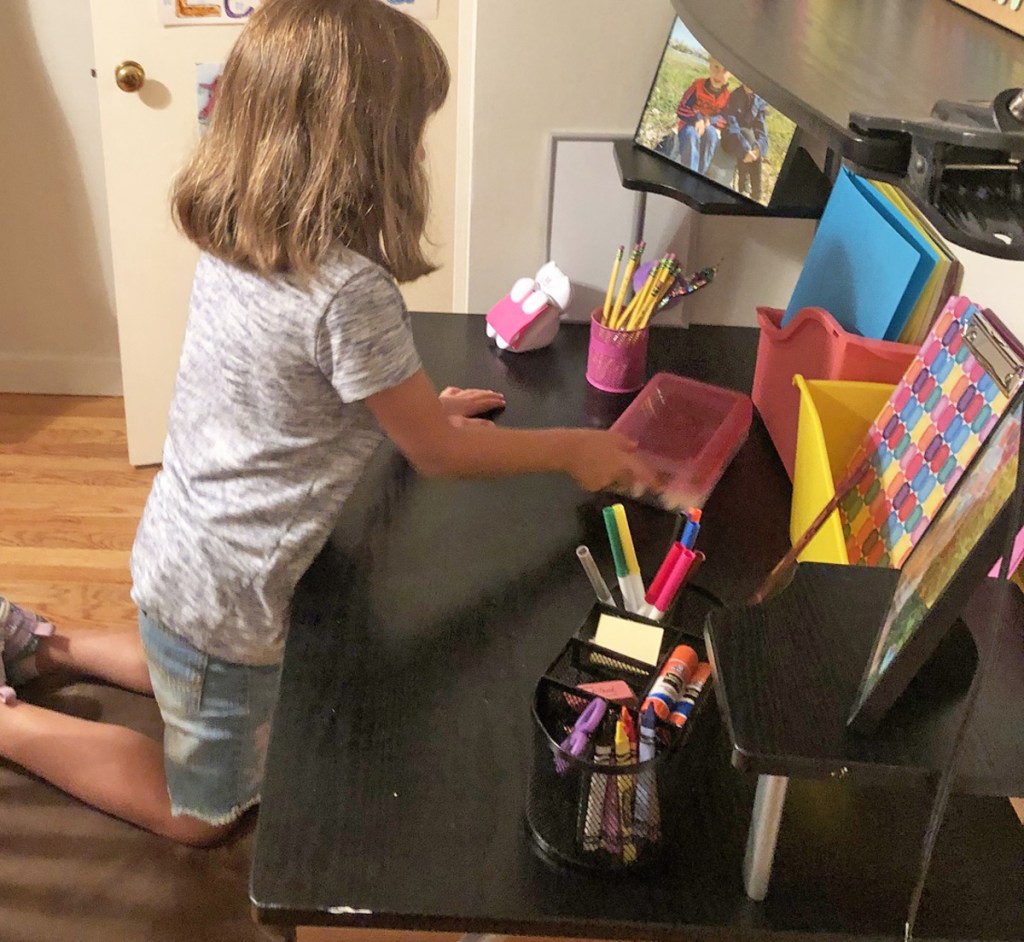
[[462, 403], [606, 460]]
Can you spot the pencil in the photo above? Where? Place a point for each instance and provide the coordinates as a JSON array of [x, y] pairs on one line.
[[611, 286], [634, 258], [664, 275], [624, 322], [653, 301]]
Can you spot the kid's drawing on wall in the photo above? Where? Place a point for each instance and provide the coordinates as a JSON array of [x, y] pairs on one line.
[[204, 13], [207, 81]]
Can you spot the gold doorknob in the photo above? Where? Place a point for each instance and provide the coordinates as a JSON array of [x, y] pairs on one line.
[[130, 76]]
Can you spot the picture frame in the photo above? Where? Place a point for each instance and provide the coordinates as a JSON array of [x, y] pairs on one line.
[[713, 126], [953, 556]]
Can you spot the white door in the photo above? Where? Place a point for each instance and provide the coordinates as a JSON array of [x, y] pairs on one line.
[[146, 137]]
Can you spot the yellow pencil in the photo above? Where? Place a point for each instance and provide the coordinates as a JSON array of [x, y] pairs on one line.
[[655, 300], [611, 286], [629, 315], [642, 295], [634, 258], [657, 276]]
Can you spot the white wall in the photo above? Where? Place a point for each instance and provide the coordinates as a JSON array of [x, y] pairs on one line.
[[542, 66], [56, 311], [434, 292], [995, 283], [521, 71], [585, 67]]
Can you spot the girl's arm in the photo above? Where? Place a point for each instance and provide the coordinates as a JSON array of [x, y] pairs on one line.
[[414, 420]]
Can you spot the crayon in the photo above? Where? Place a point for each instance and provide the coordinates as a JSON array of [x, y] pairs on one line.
[[611, 832], [626, 788], [593, 823], [668, 687], [631, 733], [647, 820], [575, 744], [681, 711]]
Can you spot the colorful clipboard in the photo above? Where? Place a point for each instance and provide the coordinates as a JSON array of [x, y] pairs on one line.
[[939, 414]]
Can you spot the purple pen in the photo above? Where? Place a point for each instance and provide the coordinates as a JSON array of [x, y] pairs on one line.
[[576, 742]]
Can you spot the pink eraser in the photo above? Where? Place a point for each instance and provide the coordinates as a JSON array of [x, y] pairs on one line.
[[615, 691]]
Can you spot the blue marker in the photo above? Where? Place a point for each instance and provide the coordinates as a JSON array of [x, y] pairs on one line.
[[691, 529]]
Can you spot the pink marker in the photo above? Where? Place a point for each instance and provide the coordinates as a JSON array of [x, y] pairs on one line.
[[660, 578], [672, 585]]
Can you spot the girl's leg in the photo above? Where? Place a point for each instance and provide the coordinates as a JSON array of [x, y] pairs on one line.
[[114, 656], [109, 767], [30, 646]]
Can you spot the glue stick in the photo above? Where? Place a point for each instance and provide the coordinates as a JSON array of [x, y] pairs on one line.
[[668, 688]]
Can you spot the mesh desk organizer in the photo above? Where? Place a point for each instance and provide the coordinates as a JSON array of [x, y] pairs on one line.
[[569, 796]]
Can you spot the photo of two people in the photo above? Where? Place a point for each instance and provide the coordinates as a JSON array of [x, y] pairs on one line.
[[706, 120]]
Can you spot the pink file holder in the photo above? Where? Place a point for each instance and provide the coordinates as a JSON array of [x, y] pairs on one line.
[[814, 345]]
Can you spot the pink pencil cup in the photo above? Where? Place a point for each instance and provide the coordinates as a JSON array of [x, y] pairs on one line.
[[617, 359]]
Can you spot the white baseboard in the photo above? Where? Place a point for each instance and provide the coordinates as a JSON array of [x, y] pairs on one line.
[[60, 375]]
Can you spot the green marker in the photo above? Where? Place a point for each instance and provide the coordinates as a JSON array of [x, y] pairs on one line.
[[621, 572]]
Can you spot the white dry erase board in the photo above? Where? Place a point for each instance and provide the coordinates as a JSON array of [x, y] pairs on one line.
[[590, 213]]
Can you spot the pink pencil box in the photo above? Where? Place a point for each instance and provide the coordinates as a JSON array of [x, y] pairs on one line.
[[689, 431]]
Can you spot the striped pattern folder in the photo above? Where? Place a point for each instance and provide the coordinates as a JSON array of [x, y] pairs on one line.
[[941, 411]]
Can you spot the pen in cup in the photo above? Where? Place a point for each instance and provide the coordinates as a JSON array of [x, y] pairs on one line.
[[633, 578], [660, 578], [675, 580], [604, 596], [621, 572], [691, 529]]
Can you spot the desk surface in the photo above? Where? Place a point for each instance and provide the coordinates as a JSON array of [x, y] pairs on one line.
[[396, 777], [819, 61]]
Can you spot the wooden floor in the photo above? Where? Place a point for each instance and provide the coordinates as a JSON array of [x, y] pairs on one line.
[[69, 506]]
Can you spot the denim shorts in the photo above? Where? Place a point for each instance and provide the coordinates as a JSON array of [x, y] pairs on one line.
[[216, 725]]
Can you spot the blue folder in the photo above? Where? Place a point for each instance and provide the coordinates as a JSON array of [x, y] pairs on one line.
[[867, 265]]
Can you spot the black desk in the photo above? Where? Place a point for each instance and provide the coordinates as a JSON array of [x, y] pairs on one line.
[[396, 778]]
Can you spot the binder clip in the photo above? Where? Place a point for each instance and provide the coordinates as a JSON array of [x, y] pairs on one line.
[[528, 317], [962, 166]]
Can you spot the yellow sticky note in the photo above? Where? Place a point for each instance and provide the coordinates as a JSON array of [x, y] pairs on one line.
[[631, 638]]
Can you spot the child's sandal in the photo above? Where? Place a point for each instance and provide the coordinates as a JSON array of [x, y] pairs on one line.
[[20, 631]]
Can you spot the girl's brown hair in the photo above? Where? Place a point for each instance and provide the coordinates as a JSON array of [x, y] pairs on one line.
[[313, 142]]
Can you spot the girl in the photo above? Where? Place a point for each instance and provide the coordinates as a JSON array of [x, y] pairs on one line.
[[307, 197]]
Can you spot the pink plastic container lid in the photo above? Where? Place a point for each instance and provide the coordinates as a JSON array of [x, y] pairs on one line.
[[814, 345], [690, 431]]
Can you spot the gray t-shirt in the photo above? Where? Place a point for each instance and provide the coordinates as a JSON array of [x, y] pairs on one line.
[[267, 435]]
